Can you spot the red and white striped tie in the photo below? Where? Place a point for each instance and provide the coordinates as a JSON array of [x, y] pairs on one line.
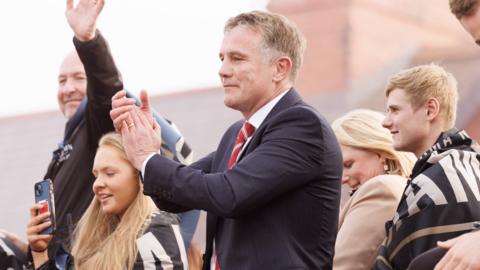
[[245, 132]]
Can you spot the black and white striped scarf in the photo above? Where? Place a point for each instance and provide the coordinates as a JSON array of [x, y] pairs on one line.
[[161, 245], [441, 201]]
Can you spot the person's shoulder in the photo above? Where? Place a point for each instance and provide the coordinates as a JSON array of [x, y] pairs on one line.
[[302, 108], [162, 218], [382, 184], [231, 131], [236, 125], [159, 223], [301, 114], [447, 159], [467, 147], [161, 242], [302, 122], [234, 128], [387, 179]]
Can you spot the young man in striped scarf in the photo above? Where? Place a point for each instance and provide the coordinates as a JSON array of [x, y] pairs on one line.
[[462, 251], [441, 200]]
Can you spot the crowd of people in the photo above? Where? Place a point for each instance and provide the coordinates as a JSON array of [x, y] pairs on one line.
[[126, 199]]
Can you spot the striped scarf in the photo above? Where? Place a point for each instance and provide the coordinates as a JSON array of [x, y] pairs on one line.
[[441, 201]]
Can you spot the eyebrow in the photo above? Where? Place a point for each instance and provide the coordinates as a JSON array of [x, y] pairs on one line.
[[347, 162], [105, 168], [76, 73], [233, 53]]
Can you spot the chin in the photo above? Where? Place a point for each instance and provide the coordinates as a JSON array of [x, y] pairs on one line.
[[68, 115], [110, 212], [229, 103], [397, 146], [70, 110]]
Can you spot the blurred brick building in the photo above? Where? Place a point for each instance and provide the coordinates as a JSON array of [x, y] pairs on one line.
[[355, 45]]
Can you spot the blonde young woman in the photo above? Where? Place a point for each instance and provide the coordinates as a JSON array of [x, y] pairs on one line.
[[377, 175], [121, 229]]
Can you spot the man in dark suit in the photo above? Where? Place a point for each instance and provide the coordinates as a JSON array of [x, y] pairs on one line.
[[272, 191]]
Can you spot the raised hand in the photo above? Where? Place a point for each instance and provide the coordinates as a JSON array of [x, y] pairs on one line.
[[83, 18]]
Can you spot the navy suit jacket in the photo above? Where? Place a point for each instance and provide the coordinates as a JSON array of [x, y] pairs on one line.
[[277, 208]]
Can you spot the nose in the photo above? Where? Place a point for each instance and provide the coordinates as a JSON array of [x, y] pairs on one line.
[[225, 70], [68, 87], [387, 122], [345, 179], [98, 185]]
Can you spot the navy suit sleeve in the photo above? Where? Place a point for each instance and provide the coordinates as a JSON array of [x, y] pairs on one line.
[[292, 153], [204, 164], [167, 205]]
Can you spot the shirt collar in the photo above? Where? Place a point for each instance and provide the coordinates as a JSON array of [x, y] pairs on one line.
[[259, 116]]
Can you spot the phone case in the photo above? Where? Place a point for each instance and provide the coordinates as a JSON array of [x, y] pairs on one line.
[[44, 195]]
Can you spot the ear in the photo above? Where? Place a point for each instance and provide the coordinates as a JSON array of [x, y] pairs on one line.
[[381, 156], [283, 67], [432, 108]]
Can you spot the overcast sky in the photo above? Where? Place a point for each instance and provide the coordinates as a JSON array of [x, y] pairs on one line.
[[158, 45]]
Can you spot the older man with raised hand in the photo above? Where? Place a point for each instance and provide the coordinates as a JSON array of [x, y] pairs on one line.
[[87, 80], [271, 189], [89, 73]]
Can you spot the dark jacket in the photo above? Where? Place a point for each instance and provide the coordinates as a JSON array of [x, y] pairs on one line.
[[277, 208]]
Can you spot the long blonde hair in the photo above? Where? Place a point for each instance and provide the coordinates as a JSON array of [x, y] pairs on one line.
[[363, 129], [104, 241]]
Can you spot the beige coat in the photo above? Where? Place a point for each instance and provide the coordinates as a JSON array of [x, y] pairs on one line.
[[361, 227]]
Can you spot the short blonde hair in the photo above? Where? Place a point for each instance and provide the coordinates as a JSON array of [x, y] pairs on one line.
[[426, 81], [462, 8], [363, 129], [279, 35]]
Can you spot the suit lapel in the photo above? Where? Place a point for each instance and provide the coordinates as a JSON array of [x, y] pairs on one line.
[[291, 98]]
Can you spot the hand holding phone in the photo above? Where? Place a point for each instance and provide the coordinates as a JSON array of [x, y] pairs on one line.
[[44, 196]]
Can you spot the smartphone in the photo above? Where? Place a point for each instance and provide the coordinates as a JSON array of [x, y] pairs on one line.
[[44, 195]]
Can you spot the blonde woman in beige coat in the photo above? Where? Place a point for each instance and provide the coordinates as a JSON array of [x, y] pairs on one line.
[[377, 175]]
